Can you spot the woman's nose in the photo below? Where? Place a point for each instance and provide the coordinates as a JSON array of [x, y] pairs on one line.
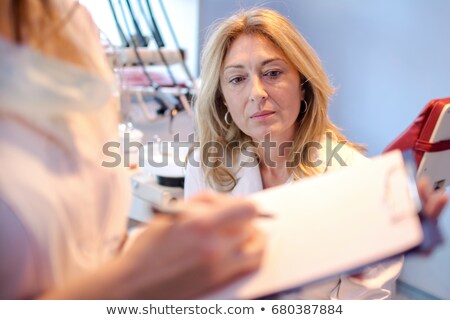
[[257, 90]]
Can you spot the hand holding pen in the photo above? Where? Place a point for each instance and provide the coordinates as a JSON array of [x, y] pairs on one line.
[[203, 243]]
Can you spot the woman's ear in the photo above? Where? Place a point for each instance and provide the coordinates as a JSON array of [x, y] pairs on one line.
[[302, 93], [303, 83]]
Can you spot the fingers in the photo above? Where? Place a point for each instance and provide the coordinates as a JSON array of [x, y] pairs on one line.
[[232, 246], [214, 240], [228, 244], [218, 225], [234, 212], [433, 202], [244, 259], [223, 256], [252, 252], [207, 197], [222, 211], [424, 188], [215, 235]]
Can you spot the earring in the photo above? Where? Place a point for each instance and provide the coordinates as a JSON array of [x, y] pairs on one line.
[[228, 121], [303, 110]]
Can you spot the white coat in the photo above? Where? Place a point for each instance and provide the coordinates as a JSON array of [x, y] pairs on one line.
[[62, 214]]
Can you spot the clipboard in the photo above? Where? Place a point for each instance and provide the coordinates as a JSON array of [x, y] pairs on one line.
[[328, 225]]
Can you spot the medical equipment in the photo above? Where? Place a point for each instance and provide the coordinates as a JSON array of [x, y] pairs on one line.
[[146, 70], [136, 60], [429, 138]]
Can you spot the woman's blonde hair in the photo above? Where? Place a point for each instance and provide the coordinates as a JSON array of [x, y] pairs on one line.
[[209, 105]]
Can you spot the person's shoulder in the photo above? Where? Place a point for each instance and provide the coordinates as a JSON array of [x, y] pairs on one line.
[[352, 156], [193, 161], [335, 154]]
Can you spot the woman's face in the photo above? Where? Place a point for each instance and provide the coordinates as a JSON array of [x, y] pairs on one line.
[[261, 89]]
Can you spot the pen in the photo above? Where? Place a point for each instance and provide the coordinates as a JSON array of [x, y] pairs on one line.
[[266, 215], [177, 210]]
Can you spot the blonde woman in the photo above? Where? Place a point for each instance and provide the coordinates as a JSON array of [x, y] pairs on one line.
[[262, 121]]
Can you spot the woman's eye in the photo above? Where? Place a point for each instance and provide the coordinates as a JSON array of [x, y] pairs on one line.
[[236, 80], [273, 73]]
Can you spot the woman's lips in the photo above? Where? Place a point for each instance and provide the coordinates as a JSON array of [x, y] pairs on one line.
[[262, 115]]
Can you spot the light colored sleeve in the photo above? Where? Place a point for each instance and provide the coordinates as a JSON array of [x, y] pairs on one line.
[[375, 282], [337, 155], [16, 258], [194, 181]]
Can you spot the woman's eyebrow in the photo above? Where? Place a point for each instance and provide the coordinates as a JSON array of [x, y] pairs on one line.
[[272, 60], [234, 66], [265, 62]]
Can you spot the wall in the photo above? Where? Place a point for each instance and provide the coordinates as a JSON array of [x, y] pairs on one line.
[[387, 59]]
